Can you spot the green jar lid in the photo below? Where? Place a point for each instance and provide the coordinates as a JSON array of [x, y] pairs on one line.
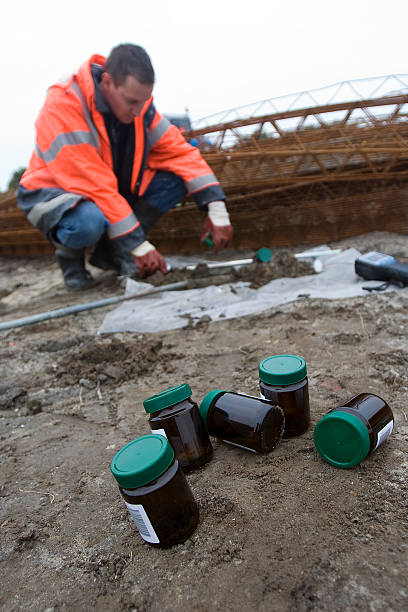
[[342, 439], [206, 402], [264, 255], [141, 461], [282, 369], [167, 398]]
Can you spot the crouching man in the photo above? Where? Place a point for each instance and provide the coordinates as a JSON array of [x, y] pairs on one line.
[[107, 165]]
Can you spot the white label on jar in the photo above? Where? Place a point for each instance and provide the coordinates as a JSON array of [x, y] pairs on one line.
[[143, 523], [384, 433], [239, 446], [159, 432]]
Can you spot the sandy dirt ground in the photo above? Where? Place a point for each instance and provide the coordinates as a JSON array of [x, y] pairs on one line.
[[279, 532]]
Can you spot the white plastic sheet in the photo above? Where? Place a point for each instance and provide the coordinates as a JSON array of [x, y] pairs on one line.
[[175, 309]]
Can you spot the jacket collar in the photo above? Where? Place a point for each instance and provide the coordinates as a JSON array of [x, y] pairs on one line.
[[85, 78], [101, 105]]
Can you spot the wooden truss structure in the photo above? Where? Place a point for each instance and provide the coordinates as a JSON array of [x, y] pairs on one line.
[[354, 140]]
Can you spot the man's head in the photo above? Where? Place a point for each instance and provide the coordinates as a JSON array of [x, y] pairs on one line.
[[127, 81]]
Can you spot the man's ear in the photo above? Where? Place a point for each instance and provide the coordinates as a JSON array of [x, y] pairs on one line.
[[106, 79]]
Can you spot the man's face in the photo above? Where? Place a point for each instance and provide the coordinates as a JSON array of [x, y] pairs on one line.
[[127, 100]]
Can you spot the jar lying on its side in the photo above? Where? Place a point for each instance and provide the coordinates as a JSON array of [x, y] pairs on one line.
[[155, 491], [242, 420], [283, 381], [174, 415], [347, 434]]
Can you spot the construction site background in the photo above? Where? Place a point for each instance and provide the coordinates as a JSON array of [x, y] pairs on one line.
[[307, 168]]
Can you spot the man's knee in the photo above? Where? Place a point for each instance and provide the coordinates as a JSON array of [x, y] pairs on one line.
[[81, 226], [165, 191]]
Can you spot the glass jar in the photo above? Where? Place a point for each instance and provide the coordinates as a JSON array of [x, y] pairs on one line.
[[174, 415], [283, 381], [241, 420], [347, 434], [155, 491]]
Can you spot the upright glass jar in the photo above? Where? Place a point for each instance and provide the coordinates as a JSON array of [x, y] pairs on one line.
[[283, 381], [174, 415], [241, 420], [155, 491], [347, 434]]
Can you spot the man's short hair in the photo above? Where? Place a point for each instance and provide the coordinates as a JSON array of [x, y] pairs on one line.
[[129, 60]]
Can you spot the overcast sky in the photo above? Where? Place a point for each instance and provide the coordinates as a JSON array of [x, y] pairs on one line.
[[208, 56]]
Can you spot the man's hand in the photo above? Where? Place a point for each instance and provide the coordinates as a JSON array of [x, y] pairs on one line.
[[148, 259], [218, 226]]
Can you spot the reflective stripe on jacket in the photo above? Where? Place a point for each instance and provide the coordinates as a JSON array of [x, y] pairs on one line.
[[72, 160]]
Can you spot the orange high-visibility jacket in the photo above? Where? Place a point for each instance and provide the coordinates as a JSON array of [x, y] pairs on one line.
[[72, 160]]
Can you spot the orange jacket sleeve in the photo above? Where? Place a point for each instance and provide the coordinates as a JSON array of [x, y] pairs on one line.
[[170, 152]]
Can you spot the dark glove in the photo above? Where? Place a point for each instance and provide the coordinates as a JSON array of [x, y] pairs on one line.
[[218, 226], [148, 259]]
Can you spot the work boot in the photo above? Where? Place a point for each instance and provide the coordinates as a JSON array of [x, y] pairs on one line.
[[127, 265], [76, 276], [110, 255], [72, 264], [101, 255]]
